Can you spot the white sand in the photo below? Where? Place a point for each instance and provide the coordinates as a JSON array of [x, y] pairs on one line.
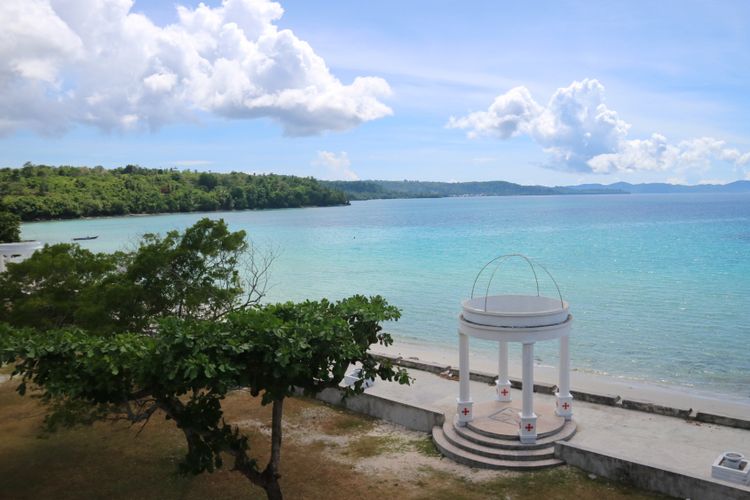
[[672, 396]]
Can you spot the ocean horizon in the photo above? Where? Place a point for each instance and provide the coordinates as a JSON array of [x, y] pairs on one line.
[[657, 284]]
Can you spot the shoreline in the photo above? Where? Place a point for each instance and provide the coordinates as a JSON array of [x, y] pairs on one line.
[[650, 392], [155, 214]]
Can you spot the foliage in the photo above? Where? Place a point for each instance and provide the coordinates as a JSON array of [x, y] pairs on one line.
[[368, 190], [36, 192], [57, 286], [188, 366], [10, 227], [194, 274]]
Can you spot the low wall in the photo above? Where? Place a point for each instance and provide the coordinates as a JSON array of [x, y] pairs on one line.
[[411, 416], [589, 397], [646, 476], [710, 418]]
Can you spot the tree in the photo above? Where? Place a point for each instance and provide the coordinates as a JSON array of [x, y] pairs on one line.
[[10, 227], [57, 286], [188, 366], [204, 272], [44, 192]]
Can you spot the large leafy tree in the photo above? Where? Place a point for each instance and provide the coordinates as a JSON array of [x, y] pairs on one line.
[[186, 367], [57, 286], [172, 327], [10, 227], [204, 272]]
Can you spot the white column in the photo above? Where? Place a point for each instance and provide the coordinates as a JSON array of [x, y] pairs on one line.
[[502, 386], [564, 398], [527, 424], [464, 407]]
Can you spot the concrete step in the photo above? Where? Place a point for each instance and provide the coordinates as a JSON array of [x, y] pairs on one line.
[[465, 457], [499, 453], [567, 432]]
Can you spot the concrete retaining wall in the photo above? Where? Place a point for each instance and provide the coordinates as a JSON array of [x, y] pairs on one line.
[[710, 418], [647, 476], [589, 397], [630, 404], [411, 416]]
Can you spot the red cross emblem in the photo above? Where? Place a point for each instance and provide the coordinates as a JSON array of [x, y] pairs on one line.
[[504, 392], [465, 411], [565, 406], [529, 427]]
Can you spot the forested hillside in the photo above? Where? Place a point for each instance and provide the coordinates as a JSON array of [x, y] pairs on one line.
[[36, 192], [368, 190]]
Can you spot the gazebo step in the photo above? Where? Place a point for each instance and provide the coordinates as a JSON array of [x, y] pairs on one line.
[[498, 453], [469, 458], [567, 432]]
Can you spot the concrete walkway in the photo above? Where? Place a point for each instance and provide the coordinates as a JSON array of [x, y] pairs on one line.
[[687, 447]]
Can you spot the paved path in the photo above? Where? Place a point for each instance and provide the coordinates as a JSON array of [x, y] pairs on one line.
[[666, 442]]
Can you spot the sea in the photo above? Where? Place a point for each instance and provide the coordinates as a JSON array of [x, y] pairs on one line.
[[658, 284]]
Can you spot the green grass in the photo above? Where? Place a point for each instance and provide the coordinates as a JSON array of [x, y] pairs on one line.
[[426, 447], [370, 446]]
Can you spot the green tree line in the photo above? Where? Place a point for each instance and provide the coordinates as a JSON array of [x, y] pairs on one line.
[[38, 192]]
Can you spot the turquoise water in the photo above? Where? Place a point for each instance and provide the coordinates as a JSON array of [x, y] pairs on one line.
[[659, 285]]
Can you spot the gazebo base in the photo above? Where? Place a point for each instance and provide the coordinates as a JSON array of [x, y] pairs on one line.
[[501, 420], [491, 440]]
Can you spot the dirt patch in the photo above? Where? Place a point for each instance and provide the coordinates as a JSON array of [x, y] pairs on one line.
[[327, 453]]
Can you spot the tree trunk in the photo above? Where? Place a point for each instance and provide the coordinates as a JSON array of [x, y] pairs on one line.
[[273, 489], [269, 478]]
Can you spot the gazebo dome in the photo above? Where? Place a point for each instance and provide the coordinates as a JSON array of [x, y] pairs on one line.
[[515, 311]]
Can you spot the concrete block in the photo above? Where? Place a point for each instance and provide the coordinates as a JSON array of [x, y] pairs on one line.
[[647, 407], [711, 418], [416, 364], [590, 397], [543, 388], [485, 377], [647, 476], [411, 416]]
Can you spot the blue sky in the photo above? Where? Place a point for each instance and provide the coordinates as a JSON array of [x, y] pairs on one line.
[[605, 91]]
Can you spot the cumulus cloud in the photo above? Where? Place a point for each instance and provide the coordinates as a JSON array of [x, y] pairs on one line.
[[511, 114], [64, 62], [580, 133], [338, 165]]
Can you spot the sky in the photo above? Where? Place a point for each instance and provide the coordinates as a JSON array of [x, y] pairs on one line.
[[551, 93]]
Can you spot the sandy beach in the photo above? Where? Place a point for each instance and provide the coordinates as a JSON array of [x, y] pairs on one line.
[[672, 396]]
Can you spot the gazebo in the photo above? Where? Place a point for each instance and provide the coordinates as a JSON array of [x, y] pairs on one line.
[[514, 318]]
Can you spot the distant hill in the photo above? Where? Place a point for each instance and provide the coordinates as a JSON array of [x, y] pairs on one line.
[[40, 192], [375, 189], [660, 187]]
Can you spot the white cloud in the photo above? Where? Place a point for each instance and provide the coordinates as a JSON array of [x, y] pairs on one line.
[[96, 62], [337, 165], [676, 180], [580, 133], [509, 115]]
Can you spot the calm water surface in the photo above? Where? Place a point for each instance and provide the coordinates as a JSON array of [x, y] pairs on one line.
[[659, 284]]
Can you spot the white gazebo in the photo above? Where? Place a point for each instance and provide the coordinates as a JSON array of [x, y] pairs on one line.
[[515, 318]]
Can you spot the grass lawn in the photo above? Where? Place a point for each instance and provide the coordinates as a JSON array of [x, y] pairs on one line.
[[327, 454]]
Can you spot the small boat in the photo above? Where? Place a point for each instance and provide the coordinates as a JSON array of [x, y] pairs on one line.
[[83, 238]]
